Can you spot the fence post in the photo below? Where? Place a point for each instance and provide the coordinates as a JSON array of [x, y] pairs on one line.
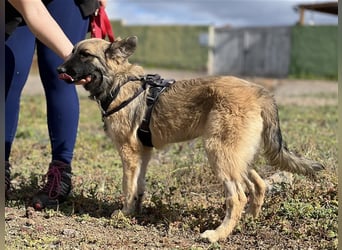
[[211, 50]]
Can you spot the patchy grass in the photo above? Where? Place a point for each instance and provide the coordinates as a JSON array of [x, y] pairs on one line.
[[183, 197]]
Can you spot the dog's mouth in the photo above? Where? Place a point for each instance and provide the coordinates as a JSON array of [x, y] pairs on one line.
[[66, 77], [69, 79]]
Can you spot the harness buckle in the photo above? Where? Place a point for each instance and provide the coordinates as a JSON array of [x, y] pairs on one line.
[[149, 100]]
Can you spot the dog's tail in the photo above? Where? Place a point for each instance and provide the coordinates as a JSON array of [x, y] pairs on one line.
[[275, 149]]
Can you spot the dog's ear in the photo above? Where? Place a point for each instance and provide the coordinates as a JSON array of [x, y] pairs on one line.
[[130, 45], [122, 48]]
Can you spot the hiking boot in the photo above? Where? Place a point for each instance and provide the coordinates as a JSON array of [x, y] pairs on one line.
[[56, 188], [7, 179]]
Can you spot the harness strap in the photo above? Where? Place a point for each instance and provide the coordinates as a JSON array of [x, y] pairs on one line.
[[113, 94], [124, 103], [157, 86]]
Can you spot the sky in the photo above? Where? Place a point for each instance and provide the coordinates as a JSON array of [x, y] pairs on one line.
[[236, 13]]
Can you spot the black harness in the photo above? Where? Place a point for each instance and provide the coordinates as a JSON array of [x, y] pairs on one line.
[[155, 86]]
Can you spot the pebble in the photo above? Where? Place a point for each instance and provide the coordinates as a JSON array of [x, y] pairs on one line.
[[69, 232]]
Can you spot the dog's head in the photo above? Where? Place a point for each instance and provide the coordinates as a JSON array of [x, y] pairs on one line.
[[95, 60]]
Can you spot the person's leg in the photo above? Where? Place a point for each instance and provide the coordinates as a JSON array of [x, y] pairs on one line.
[[62, 105], [19, 50], [61, 98]]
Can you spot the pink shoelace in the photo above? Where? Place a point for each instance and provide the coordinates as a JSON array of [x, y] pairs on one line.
[[53, 185]]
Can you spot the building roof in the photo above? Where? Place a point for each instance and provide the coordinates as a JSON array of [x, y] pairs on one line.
[[324, 7]]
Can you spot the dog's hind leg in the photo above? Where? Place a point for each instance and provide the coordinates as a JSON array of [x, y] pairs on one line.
[[235, 202], [231, 144], [257, 188], [134, 160], [229, 168]]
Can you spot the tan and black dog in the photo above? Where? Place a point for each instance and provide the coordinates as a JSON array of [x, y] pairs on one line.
[[234, 117]]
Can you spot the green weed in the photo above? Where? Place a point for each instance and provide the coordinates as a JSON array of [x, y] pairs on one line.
[[183, 196]]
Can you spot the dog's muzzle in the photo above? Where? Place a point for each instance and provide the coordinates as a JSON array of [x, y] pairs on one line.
[[63, 75]]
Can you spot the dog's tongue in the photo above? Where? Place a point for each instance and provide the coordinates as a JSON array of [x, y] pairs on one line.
[[66, 77]]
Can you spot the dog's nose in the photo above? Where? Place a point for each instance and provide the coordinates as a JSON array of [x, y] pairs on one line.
[[61, 69]]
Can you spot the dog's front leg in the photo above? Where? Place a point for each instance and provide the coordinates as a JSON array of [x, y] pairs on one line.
[[132, 160], [146, 156]]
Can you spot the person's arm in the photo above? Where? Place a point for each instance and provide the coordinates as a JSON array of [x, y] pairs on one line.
[[43, 26]]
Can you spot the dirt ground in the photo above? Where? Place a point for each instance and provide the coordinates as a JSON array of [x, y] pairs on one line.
[[93, 231]]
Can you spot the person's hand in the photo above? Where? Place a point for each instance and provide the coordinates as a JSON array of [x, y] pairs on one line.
[[83, 81], [103, 3]]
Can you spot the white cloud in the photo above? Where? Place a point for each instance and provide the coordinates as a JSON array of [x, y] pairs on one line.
[[217, 12]]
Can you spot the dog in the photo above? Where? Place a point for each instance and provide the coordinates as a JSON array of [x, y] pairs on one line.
[[235, 118]]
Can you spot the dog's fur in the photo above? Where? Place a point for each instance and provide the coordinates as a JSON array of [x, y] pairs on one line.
[[233, 116]]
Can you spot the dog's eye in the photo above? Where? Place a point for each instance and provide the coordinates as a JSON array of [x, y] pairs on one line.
[[84, 54]]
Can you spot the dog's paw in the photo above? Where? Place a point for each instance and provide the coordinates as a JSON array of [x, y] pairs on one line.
[[210, 235], [117, 214], [253, 210], [317, 166], [119, 220]]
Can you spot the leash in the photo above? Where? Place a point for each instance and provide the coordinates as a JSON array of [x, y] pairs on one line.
[[100, 25], [155, 85]]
